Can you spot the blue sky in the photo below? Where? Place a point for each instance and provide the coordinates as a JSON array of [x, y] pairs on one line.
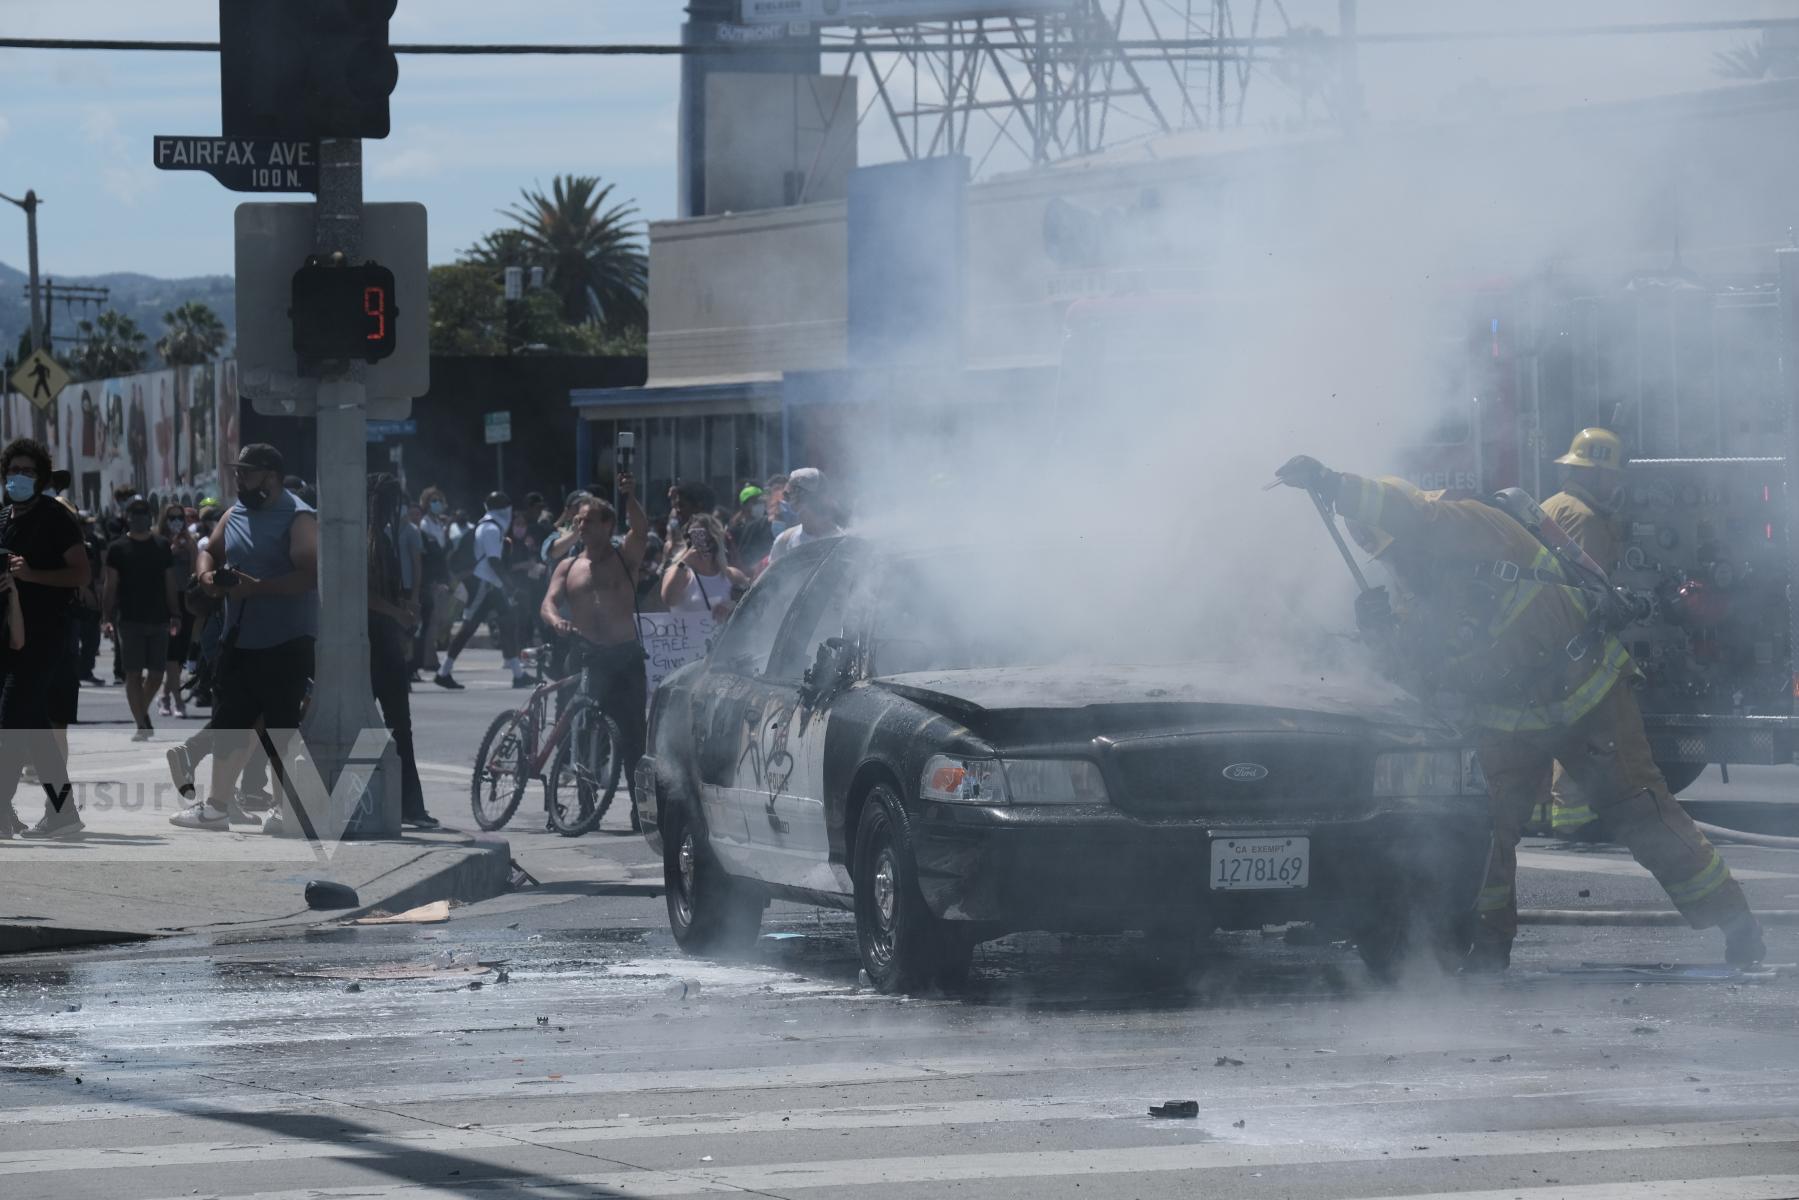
[[469, 132]]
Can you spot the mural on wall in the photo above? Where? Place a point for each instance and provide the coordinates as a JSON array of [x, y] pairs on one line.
[[164, 432]]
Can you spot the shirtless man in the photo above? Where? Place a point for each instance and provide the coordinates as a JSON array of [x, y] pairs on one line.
[[597, 589]]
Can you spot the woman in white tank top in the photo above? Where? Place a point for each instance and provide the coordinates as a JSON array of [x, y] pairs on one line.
[[699, 580]]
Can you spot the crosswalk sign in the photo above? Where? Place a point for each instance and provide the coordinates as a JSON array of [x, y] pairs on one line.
[[41, 378]]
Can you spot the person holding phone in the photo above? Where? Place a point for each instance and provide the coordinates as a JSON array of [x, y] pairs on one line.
[[592, 602], [698, 579], [138, 608]]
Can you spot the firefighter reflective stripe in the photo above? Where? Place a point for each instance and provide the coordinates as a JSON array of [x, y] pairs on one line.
[[1494, 899], [1564, 712], [1572, 817], [1689, 894]]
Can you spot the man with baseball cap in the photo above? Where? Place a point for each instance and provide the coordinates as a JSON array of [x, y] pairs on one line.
[[807, 496]]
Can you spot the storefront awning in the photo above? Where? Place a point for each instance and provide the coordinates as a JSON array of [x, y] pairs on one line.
[[677, 400]]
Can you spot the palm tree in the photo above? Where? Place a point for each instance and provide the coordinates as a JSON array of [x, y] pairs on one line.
[[501, 249], [194, 335], [110, 345], [1767, 57], [593, 260]]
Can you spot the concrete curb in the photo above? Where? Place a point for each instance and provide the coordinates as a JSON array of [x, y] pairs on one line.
[[477, 868]]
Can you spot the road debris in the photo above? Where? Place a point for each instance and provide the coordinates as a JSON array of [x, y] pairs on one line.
[[1227, 1061], [1184, 1110], [324, 893], [434, 913]]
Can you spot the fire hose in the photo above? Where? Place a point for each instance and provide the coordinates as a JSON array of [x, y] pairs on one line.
[[1628, 916], [1772, 841]]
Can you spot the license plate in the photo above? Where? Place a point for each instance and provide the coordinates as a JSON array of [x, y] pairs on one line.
[[1260, 864]]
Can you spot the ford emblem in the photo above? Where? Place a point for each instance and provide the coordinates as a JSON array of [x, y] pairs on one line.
[[1246, 772]]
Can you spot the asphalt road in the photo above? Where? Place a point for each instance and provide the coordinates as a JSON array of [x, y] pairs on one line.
[[349, 1063]]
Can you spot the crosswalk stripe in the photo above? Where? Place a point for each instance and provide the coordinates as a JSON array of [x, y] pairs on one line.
[[1731, 1187], [869, 1171]]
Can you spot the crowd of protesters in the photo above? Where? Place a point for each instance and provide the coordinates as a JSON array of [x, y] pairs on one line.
[[218, 607]]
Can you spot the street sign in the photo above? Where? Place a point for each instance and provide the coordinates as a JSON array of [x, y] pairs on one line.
[[243, 164], [273, 241], [41, 378], [381, 429], [499, 428]]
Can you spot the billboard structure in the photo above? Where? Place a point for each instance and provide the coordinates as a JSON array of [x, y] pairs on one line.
[[1020, 83], [892, 12]]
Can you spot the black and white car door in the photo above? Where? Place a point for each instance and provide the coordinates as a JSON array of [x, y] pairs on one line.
[[728, 703], [790, 831]]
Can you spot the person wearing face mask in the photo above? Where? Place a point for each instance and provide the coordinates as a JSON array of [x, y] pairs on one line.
[[758, 534], [262, 561], [392, 612], [139, 608], [174, 531], [491, 602], [698, 580], [48, 562], [811, 509]]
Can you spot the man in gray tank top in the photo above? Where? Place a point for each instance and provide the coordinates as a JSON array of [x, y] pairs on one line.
[[263, 560]]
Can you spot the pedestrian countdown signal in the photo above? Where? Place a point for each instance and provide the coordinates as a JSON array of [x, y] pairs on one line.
[[343, 312]]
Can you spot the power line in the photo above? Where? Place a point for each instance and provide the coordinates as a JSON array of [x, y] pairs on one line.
[[670, 49]]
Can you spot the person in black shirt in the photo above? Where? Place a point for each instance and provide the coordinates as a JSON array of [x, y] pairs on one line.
[[392, 613], [140, 606], [48, 562]]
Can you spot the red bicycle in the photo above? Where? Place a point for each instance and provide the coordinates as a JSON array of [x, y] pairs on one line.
[[582, 748]]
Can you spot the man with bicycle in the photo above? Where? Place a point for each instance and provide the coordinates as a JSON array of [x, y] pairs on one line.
[[593, 601]]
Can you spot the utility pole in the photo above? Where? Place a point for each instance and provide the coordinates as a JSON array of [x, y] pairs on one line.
[[342, 703], [29, 204]]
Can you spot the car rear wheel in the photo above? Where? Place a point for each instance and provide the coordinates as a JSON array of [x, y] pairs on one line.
[[708, 911], [903, 947], [1429, 932]]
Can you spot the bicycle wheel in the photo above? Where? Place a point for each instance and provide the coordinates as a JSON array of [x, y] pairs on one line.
[[584, 777], [499, 780]]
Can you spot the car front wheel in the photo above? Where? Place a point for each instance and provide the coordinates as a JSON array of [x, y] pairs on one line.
[[708, 911], [903, 947]]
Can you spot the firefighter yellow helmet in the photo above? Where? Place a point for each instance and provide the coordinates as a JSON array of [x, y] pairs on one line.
[[1595, 448]]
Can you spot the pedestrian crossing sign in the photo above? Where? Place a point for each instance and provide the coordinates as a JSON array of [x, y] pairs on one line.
[[41, 378]]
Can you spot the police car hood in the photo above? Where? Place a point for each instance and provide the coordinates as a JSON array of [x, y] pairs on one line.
[[1215, 685]]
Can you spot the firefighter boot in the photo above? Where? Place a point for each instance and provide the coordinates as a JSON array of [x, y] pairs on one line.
[[1491, 955], [1743, 945]]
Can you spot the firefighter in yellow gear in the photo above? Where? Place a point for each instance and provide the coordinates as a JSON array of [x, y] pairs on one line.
[[1498, 634], [1587, 507]]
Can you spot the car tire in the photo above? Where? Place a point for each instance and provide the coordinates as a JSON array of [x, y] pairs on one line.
[[1435, 934], [902, 946], [709, 913]]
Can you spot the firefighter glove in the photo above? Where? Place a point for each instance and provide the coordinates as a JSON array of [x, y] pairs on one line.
[[1304, 471], [1374, 611]]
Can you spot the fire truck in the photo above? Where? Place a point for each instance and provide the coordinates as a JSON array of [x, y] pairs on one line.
[[1700, 377]]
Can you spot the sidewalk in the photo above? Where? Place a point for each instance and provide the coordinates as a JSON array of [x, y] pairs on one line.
[[132, 875]]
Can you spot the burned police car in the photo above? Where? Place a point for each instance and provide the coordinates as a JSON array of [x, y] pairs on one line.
[[873, 731]]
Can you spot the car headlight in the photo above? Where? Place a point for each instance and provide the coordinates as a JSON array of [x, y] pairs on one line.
[[1012, 781], [1427, 773], [964, 780]]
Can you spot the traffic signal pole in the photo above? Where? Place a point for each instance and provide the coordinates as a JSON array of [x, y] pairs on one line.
[[343, 704]]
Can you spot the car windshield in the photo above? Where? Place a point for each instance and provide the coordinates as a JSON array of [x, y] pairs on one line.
[[981, 609]]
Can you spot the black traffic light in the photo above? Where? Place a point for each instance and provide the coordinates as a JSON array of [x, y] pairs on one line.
[[299, 70], [342, 312]]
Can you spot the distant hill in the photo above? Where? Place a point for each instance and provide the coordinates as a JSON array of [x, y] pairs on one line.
[[143, 298]]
